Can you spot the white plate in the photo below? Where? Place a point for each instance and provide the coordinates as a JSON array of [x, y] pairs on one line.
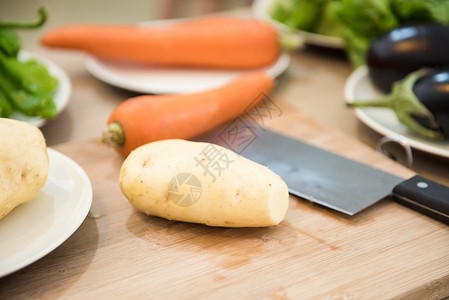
[[61, 96], [262, 7], [383, 120], [160, 80], [35, 228]]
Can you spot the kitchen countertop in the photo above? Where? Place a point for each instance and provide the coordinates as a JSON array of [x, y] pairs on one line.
[[312, 84]]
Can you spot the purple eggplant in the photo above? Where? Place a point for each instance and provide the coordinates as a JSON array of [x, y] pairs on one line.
[[405, 49], [432, 90], [420, 101]]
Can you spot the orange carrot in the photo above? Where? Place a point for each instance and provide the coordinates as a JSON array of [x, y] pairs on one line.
[[218, 42], [143, 119]]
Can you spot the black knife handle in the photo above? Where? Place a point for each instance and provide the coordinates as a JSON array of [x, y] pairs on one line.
[[424, 195]]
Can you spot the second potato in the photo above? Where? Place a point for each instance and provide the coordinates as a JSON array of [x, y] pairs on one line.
[[202, 183]]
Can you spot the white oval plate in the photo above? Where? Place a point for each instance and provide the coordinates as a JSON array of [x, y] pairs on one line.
[[160, 80], [36, 228], [260, 10], [61, 96], [359, 87]]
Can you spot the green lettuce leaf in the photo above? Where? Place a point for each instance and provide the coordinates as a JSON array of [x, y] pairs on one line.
[[329, 24], [420, 11], [297, 14]]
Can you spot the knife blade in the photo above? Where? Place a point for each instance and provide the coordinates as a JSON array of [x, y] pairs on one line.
[[340, 183]]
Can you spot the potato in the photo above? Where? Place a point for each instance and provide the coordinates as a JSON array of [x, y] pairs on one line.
[[23, 163], [202, 183]]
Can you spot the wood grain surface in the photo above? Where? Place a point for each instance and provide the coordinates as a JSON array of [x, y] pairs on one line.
[[384, 252]]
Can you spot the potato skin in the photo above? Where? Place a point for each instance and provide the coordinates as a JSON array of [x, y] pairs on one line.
[[174, 179], [23, 163]]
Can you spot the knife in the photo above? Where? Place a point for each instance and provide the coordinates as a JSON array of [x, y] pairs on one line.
[[340, 183]]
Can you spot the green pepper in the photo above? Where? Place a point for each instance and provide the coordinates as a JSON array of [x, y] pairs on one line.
[[31, 104], [9, 41], [31, 75], [6, 108], [25, 86], [42, 17], [28, 86]]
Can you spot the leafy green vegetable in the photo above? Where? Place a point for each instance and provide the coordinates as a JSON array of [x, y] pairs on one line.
[[419, 10], [25, 86], [357, 22], [298, 14], [26, 94], [367, 17], [6, 108], [364, 20], [31, 75], [329, 23], [9, 42], [42, 17]]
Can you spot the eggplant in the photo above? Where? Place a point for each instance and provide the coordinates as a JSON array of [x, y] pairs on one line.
[[432, 90], [405, 49], [420, 101]]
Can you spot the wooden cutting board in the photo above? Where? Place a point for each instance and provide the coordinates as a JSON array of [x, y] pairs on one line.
[[386, 251]]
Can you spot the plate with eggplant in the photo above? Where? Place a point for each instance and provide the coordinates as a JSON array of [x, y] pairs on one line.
[[403, 90]]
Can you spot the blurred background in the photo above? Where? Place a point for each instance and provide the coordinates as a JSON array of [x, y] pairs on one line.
[[104, 11], [91, 102]]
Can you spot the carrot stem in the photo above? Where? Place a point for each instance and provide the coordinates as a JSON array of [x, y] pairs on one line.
[[113, 135]]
